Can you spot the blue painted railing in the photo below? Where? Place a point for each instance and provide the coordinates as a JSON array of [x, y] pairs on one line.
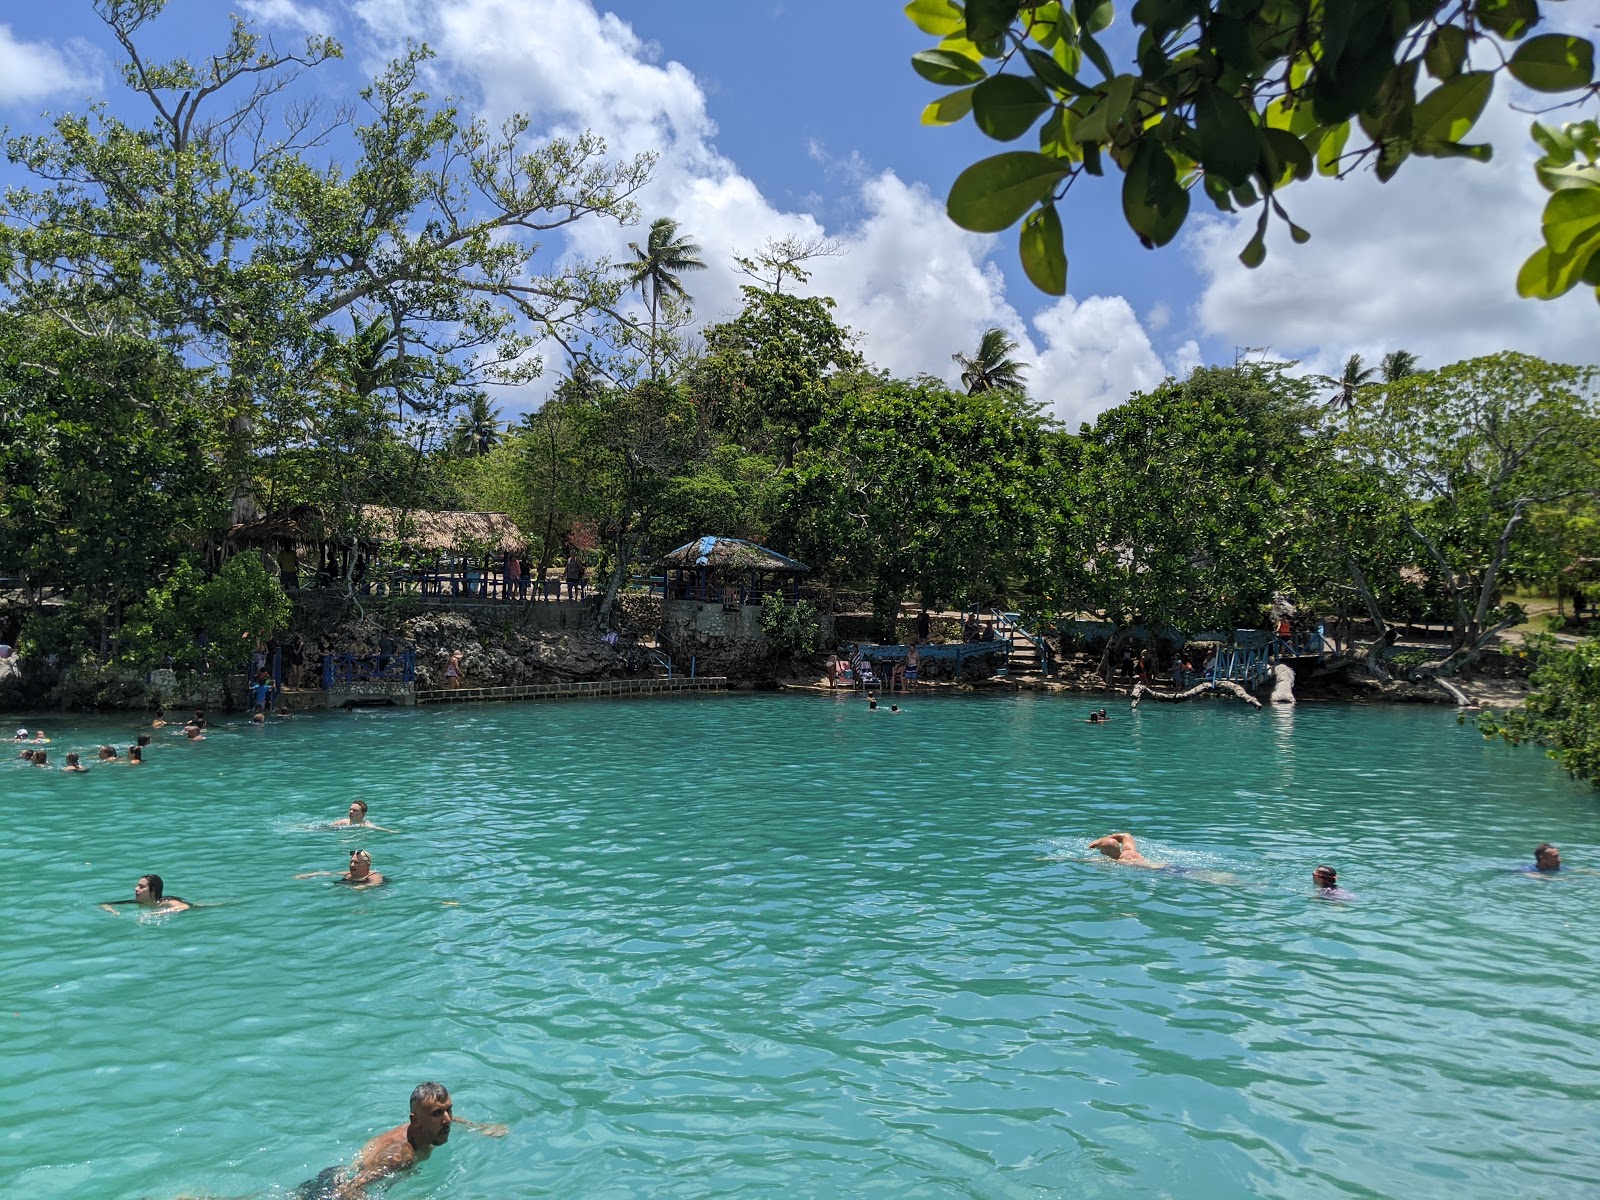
[[341, 669]]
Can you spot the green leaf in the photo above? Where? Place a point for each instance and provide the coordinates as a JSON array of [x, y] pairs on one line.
[[1097, 124], [1553, 62], [1053, 74], [1330, 146], [1096, 53], [1229, 145], [947, 68], [1006, 106], [1571, 215], [1509, 18], [1153, 201], [1284, 157], [992, 194], [949, 108], [1056, 136], [1448, 113], [1044, 258], [1477, 151], [1255, 250], [1545, 275], [988, 20], [1447, 50], [1093, 15], [936, 17]]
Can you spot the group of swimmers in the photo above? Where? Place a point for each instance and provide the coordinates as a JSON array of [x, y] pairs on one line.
[[1121, 848], [431, 1111]]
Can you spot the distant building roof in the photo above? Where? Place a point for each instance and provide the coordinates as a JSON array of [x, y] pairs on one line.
[[434, 529], [731, 552]]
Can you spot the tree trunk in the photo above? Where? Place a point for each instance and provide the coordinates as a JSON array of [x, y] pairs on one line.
[[1141, 692]]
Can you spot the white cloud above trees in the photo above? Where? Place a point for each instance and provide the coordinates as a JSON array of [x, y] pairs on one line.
[[33, 71]]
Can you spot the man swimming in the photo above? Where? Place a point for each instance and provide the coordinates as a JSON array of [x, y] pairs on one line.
[[1120, 847], [359, 875], [357, 819], [400, 1149], [1546, 859], [149, 892]]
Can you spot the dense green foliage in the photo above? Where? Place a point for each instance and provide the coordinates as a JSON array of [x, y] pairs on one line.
[[1562, 713], [1241, 100]]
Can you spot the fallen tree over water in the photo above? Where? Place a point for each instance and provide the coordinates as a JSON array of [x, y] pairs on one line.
[[1143, 692]]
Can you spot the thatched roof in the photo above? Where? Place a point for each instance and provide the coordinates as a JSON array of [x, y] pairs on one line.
[[431, 529], [734, 553], [300, 523]]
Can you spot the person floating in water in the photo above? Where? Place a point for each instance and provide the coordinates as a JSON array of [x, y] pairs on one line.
[[149, 892], [73, 764], [872, 704], [1120, 847], [400, 1149], [359, 875], [1326, 881], [195, 733], [357, 819]]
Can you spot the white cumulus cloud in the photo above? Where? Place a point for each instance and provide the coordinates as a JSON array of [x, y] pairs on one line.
[[31, 71]]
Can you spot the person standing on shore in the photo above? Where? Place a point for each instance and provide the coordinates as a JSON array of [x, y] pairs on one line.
[[454, 672]]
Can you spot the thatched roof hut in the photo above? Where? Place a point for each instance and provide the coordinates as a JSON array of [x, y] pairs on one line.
[[300, 524], [735, 553], [442, 530]]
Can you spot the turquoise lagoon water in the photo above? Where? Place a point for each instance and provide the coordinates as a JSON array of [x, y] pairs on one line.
[[778, 946]]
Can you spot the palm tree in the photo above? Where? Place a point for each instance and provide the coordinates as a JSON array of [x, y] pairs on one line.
[[1397, 364], [1356, 376], [992, 369], [478, 429], [655, 269]]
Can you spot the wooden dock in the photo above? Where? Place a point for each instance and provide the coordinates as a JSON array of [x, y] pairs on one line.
[[577, 691]]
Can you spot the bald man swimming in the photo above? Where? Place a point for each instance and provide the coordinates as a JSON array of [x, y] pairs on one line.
[[1120, 847]]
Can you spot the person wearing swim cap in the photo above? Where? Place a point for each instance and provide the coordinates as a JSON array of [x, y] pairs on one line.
[[1121, 848]]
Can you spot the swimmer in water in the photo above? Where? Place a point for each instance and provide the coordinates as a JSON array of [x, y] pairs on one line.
[[136, 756], [1326, 881], [1546, 860], [73, 764], [1120, 847], [160, 718], [400, 1149], [149, 893], [194, 733], [357, 819], [107, 753], [359, 875]]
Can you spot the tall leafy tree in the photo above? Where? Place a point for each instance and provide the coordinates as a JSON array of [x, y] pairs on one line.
[[224, 226], [1355, 376], [912, 488], [1396, 365], [767, 375], [106, 466], [991, 368], [1470, 452], [666, 254]]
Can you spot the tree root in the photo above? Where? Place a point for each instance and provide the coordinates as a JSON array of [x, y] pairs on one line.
[[1141, 692]]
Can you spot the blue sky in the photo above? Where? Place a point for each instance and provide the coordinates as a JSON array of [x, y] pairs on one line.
[[779, 117]]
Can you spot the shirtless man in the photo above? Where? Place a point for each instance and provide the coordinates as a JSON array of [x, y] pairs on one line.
[[359, 875], [1120, 847], [148, 893], [357, 819], [404, 1146]]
